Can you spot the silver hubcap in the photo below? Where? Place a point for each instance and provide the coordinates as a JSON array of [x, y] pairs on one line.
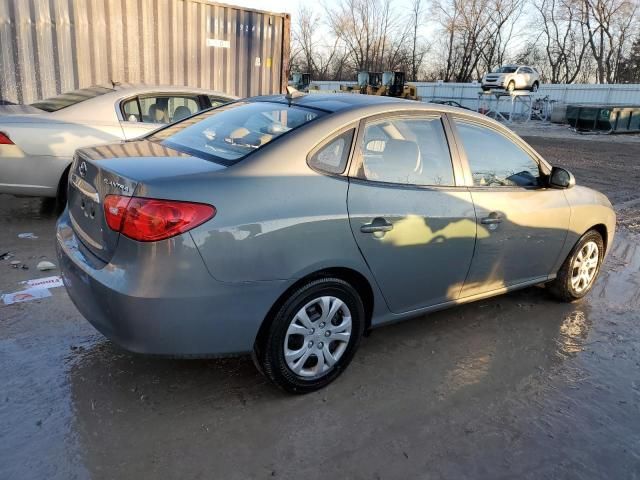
[[585, 267], [317, 337]]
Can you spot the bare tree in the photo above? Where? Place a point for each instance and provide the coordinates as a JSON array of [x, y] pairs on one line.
[[372, 34], [567, 40], [418, 50], [565, 45], [476, 34], [609, 25], [630, 66], [310, 51]]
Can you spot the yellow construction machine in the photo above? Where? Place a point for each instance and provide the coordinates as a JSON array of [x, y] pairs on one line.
[[389, 84]]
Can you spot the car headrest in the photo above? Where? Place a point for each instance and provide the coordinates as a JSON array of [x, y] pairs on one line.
[[403, 155], [181, 112], [156, 114]]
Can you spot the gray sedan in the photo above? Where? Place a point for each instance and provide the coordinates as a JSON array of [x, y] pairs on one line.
[[288, 226], [37, 141]]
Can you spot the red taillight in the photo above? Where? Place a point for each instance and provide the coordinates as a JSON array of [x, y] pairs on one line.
[[150, 219], [5, 140]]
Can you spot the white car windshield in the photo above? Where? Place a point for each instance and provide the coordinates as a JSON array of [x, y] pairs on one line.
[[505, 70], [229, 133]]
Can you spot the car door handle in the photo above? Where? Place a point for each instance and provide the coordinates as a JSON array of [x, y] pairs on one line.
[[377, 225], [492, 219]]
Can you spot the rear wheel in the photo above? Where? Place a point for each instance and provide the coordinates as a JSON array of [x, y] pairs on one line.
[[511, 86], [63, 185], [580, 270], [534, 87], [313, 336]]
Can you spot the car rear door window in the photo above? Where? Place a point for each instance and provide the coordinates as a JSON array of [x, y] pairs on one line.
[[495, 160], [407, 150], [332, 156], [160, 109], [167, 109]]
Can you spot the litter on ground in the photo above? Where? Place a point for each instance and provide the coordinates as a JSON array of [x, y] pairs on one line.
[[27, 235], [25, 295], [46, 282], [46, 265]]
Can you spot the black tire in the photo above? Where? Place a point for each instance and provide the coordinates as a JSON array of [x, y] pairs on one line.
[[561, 287], [511, 86], [535, 87], [269, 354], [63, 185]]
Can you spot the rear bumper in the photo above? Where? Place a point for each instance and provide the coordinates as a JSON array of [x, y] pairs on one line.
[[164, 304]]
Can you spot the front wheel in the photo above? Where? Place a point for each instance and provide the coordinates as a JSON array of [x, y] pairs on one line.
[[511, 86], [534, 87], [313, 336], [580, 270]]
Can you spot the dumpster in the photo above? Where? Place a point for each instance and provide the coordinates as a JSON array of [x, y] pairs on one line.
[[604, 118]]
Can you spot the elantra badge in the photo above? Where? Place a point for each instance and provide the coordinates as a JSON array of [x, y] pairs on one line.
[[117, 185]]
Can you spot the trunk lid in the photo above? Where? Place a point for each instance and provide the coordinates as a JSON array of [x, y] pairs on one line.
[[119, 169]]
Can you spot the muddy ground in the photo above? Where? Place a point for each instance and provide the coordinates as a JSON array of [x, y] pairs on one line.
[[519, 386]]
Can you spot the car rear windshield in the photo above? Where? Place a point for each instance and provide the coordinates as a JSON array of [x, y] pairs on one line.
[[65, 100], [506, 70], [228, 134]]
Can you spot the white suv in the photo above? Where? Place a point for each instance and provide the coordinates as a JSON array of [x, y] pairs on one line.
[[512, 77]]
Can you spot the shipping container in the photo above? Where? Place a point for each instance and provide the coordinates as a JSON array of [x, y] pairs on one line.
[[53, 46]]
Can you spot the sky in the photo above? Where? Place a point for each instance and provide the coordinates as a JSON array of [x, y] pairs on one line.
[[288, 6], [278, 6]]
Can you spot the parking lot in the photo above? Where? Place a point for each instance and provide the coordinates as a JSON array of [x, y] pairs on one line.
[[519, 386]]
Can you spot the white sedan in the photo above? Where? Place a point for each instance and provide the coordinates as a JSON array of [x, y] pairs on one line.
[[37, 141]]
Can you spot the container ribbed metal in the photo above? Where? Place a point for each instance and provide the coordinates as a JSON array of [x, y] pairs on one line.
[[52, 46]]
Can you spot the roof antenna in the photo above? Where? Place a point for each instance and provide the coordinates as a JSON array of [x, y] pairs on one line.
[[292, 93]]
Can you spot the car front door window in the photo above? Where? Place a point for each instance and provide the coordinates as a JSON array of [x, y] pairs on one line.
[[494, 160]]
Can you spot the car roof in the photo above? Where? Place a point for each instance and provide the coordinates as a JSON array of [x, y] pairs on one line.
[[344, 108], [133, 89], [333, 102]]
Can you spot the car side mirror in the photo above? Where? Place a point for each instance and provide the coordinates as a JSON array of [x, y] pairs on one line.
[[561, 178]]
